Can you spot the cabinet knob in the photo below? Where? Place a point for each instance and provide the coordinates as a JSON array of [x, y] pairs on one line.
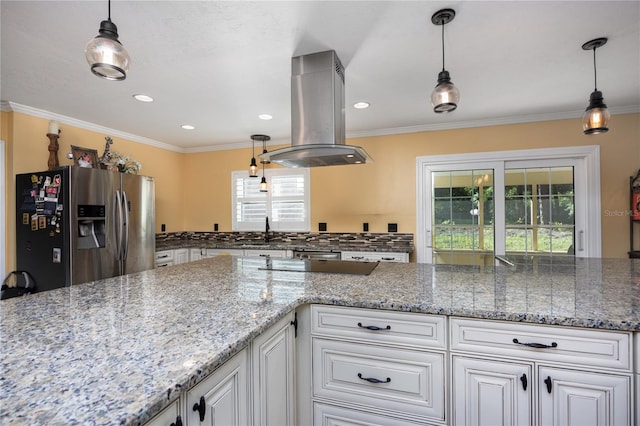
[[200, 408], [178, 422], [549, 383], [524, 381]]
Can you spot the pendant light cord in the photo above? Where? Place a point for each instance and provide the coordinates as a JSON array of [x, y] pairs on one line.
[[109, 11], [595, 71], [443, 46]]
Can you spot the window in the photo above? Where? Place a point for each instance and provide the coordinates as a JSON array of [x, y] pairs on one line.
[[286, 204]]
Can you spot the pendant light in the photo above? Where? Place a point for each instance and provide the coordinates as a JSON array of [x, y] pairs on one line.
[[265, 138], [105, 54], [445, 96], [596, 116], [263, 182], [253, 167]]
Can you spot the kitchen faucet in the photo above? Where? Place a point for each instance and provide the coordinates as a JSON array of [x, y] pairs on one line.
[[266, 230]]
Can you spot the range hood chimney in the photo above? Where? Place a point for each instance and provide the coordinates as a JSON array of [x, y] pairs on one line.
[[317, 116]]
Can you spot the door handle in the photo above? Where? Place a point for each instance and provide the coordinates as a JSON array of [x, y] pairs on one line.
[[373, 379], [524, 381], [125, 225], [549, 383], [200, 408]]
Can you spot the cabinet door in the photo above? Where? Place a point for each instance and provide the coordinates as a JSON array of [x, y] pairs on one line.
[[273, 367], [581, 398], [167, 417], [195, 254], [222, 397], [491, 393], [180, 256]]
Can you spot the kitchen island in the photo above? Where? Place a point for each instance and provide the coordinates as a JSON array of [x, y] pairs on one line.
[[117, 351]]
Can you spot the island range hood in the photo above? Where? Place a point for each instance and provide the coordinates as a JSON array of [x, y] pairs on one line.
[[317, 116]]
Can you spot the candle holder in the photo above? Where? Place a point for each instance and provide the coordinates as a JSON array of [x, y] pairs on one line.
[[53, 150]]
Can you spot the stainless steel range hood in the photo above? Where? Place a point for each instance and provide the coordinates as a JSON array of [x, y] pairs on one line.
[[317, 116]]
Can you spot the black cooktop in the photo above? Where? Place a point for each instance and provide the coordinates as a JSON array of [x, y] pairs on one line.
[[321, 265]]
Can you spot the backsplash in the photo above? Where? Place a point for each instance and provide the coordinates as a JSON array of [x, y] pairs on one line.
[[332, 240]]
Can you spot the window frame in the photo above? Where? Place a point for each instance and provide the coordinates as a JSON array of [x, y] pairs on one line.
[[303, 226], [586, 162]]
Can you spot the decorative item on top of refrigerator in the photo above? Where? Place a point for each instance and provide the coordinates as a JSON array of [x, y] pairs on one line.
[[78, 224]]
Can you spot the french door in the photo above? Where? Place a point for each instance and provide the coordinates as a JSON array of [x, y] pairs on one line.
[[474, 209]]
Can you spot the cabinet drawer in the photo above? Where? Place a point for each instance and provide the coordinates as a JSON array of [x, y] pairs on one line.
[[400, 381], [330, 415], [368, 256], [164, 255], [595, 348], [378, 326]]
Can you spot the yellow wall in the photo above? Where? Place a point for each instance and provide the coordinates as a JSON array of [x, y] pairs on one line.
[[385, 191], [193, 191], [26, 145]]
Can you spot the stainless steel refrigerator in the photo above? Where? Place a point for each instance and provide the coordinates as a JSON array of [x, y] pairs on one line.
[[76, 225]]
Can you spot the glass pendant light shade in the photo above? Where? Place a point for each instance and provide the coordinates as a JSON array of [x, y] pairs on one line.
[[596, 117], [106, 56], [253, 168], [263, 185], [445, 96]]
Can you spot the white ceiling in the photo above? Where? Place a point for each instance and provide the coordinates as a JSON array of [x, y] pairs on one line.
[[218, 64]]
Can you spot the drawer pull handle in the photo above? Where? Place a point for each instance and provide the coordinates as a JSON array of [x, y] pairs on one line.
[[373, 379], [388, 258], [163, 256], [548, 382], [373, 327], [523, 379], [536, 345]]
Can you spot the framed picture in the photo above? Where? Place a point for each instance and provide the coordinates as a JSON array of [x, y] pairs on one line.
[[84, 157]]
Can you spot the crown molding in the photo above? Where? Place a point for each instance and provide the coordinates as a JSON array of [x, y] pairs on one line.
[[63, 119], [502, 121]]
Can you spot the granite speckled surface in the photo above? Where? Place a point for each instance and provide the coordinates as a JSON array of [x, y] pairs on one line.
[[115, 352]]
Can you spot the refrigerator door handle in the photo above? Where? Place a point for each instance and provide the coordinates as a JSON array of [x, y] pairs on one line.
[[125, 225], [118, 225]]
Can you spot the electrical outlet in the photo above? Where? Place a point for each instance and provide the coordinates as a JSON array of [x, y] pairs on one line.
[[365, 227], [392, 227], [215, 227], [322, 226], [163, 227]]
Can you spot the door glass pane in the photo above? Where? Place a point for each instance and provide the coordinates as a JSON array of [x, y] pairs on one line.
[[463, 208], [539, 210]]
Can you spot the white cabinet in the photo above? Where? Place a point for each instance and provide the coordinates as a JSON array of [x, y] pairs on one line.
[[518, 374], [375, 256], [390, 365], [164, 258], [223, 252], [578, 398], [170, 416], [331, 415], [196, 254], [268, 253], [273, 375], [171, 257], [221, 399], [488, 393], [180, 256]]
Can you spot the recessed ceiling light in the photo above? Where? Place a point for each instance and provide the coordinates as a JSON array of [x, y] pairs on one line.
[[187, 127], [265, 116], [361, 105], [143, 98]]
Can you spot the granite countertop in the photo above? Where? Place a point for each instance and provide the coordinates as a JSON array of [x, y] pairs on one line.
[[117, 351]]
